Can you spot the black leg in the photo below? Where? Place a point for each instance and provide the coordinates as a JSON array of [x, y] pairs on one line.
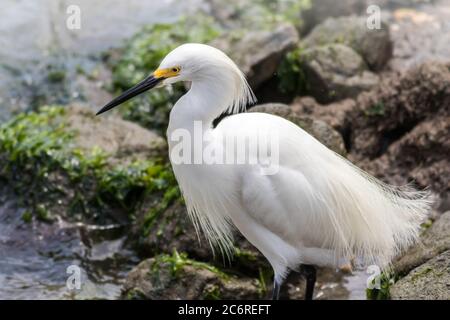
[[310, 274], [276, 289]]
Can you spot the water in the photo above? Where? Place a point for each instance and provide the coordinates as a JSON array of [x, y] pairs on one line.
[[35, 257], [33, 35], [31, 30]]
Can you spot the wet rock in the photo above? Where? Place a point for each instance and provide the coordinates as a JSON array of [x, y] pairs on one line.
[[258, 53], [374, 45], [434, 241], [176, 277], [334, 72], [430, 281], [319, 129]]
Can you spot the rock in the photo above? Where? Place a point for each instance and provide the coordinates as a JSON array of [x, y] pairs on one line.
[[334, 72], [255, 15], [433, 242], [431, 40], [240, 14], [400, 101], [122, 140], [400, 130], [176, 277], [374, 45], [336, 114], [169, 277], [320, 10], [65, 162], [258, 53], [430, 281], [91, 86], [420, 155], [173, 230], [319, 129]]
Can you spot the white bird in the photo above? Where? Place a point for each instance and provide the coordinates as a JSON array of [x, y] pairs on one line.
[[318, 209]]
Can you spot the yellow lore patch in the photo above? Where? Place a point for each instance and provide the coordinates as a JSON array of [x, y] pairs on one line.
[[167, 73]]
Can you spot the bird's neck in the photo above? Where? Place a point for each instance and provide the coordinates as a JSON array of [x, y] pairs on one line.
[[204, 102]]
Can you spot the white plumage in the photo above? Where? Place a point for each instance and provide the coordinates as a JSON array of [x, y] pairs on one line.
[[318, 209]]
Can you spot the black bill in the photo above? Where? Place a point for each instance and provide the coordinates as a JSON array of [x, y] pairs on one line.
[[141, 87]]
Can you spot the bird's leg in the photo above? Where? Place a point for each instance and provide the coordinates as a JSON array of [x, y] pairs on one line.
[[310, 274], [276, 289]]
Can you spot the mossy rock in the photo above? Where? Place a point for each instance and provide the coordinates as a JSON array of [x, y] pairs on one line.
[[328, 73], [168, 230], [178, 277], [429, 281], [374, 45], [434, 240], [67, 162]]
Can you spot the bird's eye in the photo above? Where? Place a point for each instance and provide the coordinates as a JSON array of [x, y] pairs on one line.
[[175, 69]]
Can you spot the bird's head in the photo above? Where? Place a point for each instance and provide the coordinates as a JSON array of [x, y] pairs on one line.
[[192, 62]]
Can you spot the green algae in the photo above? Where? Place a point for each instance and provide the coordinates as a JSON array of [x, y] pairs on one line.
[[291, 75], [40, 161], [177, 261]]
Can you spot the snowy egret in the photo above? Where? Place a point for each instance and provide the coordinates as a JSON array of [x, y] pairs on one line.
[[318, 209]]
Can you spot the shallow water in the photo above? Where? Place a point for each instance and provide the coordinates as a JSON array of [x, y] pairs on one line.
[[35, 257], [33, 35], [31, 30]]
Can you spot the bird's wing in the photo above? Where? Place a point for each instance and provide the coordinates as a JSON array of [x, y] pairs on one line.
[[317, 198]]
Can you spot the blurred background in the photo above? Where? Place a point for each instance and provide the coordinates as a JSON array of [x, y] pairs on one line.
[[368, 78]]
